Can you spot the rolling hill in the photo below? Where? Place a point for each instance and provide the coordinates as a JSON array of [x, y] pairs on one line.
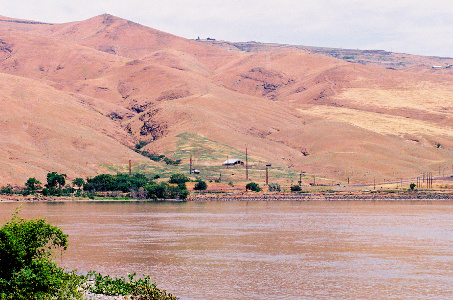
[[77, 97]]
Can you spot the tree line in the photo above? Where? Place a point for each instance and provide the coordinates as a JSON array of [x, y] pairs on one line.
[[133, 186]]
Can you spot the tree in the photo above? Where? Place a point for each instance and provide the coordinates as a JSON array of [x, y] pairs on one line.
[[412, 186], [179, 178], [33, 184], [296, 188], [26, 268], [252, 186], [200, 185], [55, 180], [78, 182]]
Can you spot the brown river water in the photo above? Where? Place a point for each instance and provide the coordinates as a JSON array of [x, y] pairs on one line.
[[263, 250]]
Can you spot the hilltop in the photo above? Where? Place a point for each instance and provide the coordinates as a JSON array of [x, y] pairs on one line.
[[77, 97]]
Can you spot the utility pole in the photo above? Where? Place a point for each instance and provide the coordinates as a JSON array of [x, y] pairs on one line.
[[190, 168], [267, 173], [246, 164], [130, 167]]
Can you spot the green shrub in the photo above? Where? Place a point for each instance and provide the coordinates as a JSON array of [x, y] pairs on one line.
[[252, 186], [296, 188], [6, 190], [200, 185], [140, 144], [170, 161], [164, 190], [26, 269], [178, 178], [33, 184], [140, 289], [274, 187]]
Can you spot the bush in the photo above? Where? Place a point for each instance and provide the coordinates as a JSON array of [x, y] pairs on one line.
[[296, 188], [274, 187], [164, 190], [26, 269], [252, 186], [141, 289], [200, 185], [412, 186], [6, 190], [33, 184], [179, 178], [140, 144]]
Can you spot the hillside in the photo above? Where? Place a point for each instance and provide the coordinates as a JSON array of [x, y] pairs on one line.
[[77, 97]]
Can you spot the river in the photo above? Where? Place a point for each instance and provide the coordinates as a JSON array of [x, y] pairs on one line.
[[263, 250]]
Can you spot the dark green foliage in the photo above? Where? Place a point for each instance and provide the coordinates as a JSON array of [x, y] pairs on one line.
[[179, 178], [79, 182], [140, 289], [412, 186], [183, 194], [252, 186], [119, 182], [296, 188], [33, 184], [157, 157], [157, 191], [55, 180], [274, 187], [52, 191], [164, 190], [200, 185], [170, 161], [6, 190], [140, 145], [26, 269]]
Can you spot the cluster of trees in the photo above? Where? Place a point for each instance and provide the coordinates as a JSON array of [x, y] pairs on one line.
[[135, 185]]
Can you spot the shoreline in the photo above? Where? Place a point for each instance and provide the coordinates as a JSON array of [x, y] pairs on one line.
[[274, 196]]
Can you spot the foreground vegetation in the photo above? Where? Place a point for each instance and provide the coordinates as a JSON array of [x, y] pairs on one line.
[[27, 271]]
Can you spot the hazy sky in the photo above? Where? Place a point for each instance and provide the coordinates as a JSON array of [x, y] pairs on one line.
[[422, 27]]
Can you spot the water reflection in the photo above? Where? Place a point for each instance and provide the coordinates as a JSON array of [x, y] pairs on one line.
[[264, 250]]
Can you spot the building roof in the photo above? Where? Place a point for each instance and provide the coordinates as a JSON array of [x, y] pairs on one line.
[[232, 161]]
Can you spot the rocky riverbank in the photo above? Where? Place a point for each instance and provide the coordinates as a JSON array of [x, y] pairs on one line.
[[331, 196], [92, 296], [432, 195]]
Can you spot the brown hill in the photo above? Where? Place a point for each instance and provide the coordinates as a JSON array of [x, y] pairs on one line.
[[76, 97]]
